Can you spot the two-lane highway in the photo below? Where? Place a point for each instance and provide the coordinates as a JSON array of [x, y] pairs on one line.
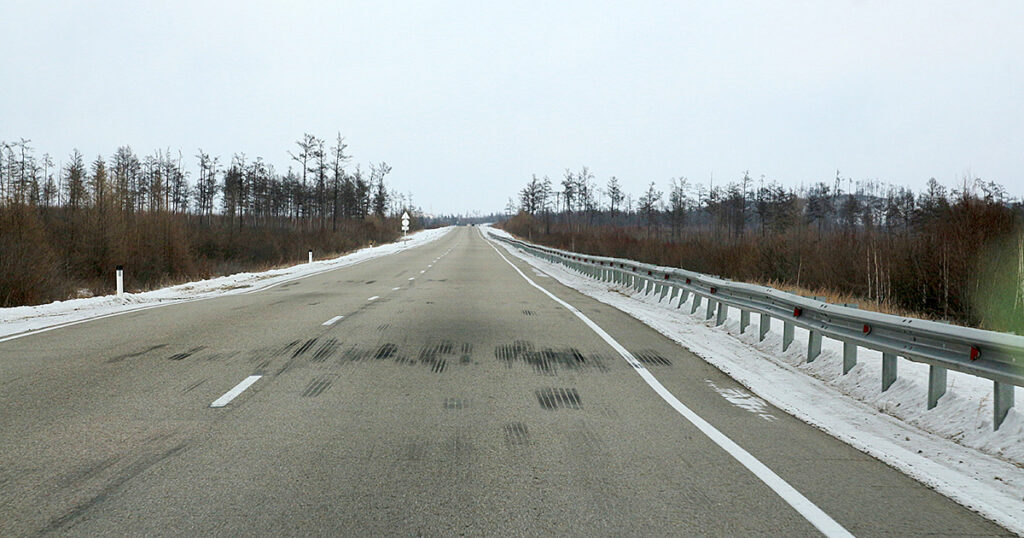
[[436, 391]]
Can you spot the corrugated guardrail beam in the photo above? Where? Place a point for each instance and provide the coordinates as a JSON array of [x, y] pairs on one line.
[[995, 356]]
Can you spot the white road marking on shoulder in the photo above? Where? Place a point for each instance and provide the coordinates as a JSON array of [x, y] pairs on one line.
[[333, 320], [814, 515], [744, 400], [374, 298], [231, 394], [412, 278], [395, 289], [424, 271]]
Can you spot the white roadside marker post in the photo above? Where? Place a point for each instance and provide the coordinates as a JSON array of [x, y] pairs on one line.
[[405, 226], [120, 281], [310, 255]]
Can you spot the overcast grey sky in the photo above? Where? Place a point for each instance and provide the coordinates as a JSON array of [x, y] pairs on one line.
[[467, 99]]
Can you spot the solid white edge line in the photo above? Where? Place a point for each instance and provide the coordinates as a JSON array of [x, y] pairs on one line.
[[231, 394], [814, 515], [332, 321]]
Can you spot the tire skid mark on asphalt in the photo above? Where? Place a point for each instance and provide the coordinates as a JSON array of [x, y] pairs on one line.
[[811, 512]]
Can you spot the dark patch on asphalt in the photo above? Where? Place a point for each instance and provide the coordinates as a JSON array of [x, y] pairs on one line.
[[369, 281], [516, 434], [651, 357], [558, 398], [383, 327], [313, 304], [455, 403], [304, 347], [547, 361], [325, 351], [186, 354], [386, 351], [120, 358], [529, 313], [400, 273], [316, 387], [467, 352], [414, 451]]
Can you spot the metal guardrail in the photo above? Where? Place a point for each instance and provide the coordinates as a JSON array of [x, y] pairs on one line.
[[991, 355]]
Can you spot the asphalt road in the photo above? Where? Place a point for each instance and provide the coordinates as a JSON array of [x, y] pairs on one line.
[[453, 398]]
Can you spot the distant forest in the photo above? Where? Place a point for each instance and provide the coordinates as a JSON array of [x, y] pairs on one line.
[[953, 254], [63, 229]]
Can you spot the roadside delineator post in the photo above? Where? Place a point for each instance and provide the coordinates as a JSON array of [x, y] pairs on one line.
[[120, 280], [310, 255]]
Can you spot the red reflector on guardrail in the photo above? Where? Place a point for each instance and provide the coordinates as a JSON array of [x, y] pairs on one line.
[[797, 311], [666, 276], [975, 353], [867, 329], [714, 289], [648, 273], [687, 280]]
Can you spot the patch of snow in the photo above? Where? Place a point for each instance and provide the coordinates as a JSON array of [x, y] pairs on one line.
[[951, 448], [21, 320]]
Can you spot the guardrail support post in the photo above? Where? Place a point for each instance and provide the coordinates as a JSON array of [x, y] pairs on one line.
[[664, 292], [711, 309], [675, 291], [1002, 401], [744, 320], [849, 356], [683, 295], [723, 312], [936, 384], [787, 335], [813, 345], [764, 326], [888, 370], [696, 303]]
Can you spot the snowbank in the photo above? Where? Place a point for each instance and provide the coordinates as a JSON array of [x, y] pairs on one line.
[[951, 448]]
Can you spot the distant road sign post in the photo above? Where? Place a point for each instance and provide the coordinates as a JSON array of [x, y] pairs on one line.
[[405, 224]]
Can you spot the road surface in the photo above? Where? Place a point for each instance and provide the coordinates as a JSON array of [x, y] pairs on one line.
[[435, 391]]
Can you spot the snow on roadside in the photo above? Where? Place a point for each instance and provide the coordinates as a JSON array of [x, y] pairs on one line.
[[16, 321], [951, 448]]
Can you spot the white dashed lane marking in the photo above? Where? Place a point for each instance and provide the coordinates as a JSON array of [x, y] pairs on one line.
[[231, 394], [333, 320]]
